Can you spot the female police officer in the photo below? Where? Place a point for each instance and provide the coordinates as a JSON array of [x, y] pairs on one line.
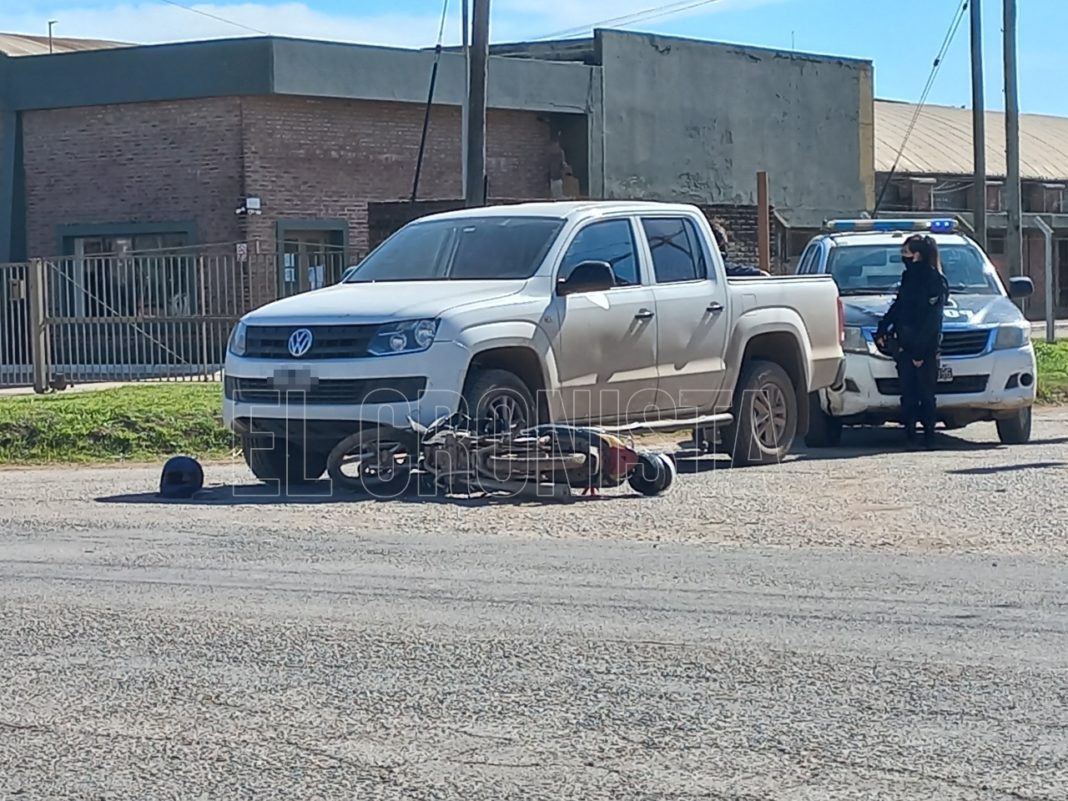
[[915, 321]]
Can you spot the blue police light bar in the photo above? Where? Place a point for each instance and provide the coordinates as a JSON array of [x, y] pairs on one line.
[[890, 226]]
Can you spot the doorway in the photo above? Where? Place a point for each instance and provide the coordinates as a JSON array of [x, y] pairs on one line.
[[312, 255]]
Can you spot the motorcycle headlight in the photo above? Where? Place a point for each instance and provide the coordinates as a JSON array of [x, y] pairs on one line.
[[1012, 336], [854, 340], [237, 339], [408, 337]]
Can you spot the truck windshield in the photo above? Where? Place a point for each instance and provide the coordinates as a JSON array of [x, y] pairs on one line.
[[468, 249], [876, 269]]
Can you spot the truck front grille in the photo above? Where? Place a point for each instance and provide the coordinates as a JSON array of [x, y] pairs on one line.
[[325, 391], [328, 341], [960, 385], [965, 343]]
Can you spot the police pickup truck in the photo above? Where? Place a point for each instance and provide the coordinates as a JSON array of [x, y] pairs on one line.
[[987, 363]]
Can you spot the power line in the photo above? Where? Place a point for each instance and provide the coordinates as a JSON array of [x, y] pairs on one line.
[[441, 28], [946, 44], [656, 12], [215, 17]]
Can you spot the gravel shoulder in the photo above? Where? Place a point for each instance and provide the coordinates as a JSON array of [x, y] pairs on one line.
[[971, 496]]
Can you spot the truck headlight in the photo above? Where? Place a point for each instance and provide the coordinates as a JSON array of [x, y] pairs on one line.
[[854, 340], [1012, 336], [237, 339], [411, 336]]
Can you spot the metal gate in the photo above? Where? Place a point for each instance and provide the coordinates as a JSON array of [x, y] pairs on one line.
[[161, 316], [16, 363]]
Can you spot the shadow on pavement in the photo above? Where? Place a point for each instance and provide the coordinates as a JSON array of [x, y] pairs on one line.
[[856, 443], [1007, 468], [321, 492]]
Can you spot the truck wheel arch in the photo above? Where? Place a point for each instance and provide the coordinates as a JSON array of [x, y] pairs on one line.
[[784, 347], [522, 361]]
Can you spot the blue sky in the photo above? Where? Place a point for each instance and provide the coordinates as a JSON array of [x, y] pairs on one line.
[[900, 36]]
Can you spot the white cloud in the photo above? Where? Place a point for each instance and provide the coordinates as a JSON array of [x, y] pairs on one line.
[[152, 21]]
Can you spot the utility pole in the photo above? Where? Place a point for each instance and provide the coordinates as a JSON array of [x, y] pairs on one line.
[[1014, 234], [51, 24], [978, 125], [465, 38], [475, 177]]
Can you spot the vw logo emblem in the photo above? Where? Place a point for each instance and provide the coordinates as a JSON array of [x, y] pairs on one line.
[[300, 342]]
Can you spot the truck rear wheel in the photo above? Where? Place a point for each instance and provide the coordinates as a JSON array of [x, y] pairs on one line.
[[1015, 430], [499, 401], [765, 415], [824, 431], [275, 459]]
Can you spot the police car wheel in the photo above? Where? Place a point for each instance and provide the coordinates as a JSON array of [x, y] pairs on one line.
[[276, 460], [1015, 430]]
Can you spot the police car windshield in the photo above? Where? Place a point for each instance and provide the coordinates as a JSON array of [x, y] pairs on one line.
[[463, 249], [876, 269]]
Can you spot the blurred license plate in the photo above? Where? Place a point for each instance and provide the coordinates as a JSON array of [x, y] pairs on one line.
[[299, 379], [945, 374]]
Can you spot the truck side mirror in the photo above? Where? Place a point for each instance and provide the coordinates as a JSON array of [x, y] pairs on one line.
[[588, 276], [1021, 287]]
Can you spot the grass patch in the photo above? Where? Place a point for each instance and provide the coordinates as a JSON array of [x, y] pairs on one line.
[[1052, 371], [139, 423]]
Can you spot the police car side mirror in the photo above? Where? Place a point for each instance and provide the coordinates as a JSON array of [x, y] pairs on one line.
[[1021, 287]]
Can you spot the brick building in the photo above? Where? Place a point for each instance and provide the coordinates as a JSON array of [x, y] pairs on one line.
[[934, 175], [172, 146]]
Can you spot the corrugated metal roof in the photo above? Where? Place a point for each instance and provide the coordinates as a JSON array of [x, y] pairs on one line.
[[941, 143], [18, 44]]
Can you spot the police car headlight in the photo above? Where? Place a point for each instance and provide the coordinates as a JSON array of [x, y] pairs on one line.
[[410, 336], [1012, 336], [854, 340], [237, 339]]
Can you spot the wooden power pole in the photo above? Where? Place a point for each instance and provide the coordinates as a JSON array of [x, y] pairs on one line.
[[1014, 234], [465, 38], [978, 125], [475, 157]]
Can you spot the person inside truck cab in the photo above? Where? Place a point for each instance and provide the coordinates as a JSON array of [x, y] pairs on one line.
[[914, 324], [721, 242]]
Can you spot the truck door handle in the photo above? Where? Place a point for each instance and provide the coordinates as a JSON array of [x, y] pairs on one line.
[[643, 314], [715, 307]]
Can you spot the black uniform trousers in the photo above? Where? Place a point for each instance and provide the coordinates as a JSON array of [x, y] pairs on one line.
[[918, 388]]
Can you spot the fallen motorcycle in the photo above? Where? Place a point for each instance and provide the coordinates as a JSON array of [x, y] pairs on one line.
[[450, 456]]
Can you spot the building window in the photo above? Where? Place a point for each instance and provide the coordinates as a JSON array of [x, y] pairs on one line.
[[995, 245], [995, 197], [951, 196], [139, 275]]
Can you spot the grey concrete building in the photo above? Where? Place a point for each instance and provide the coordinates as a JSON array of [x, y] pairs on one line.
[[691, 120]]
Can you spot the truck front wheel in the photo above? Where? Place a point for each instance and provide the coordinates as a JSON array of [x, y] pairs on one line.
[[765, 415], [498, 401], [275, 459], [1015, 430], [824, 431]]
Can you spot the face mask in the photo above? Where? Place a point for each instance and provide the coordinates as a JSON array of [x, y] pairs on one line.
[[907, 261]]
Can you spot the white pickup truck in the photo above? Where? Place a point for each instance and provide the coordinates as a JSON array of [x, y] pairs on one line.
[[987, 363], [605, 313]]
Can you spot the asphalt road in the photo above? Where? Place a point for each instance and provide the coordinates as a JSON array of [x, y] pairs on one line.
[[821, 629]]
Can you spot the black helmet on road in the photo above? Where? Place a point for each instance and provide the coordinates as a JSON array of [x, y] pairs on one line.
[[182, 477]]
